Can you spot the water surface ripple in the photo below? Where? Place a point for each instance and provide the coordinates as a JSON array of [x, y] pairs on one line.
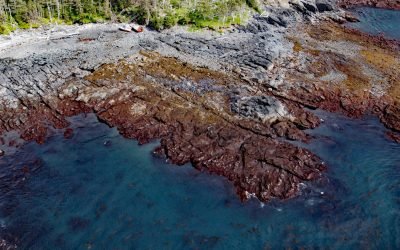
[[378, 21]]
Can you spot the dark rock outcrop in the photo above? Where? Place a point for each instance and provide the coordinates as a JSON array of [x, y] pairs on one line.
[[324, 5], [310, 6]]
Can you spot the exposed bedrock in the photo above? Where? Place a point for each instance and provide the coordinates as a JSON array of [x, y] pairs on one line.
[[151, 100], [340, 70], [263, 108]]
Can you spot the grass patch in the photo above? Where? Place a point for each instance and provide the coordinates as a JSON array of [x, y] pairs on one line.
[[7, 28]]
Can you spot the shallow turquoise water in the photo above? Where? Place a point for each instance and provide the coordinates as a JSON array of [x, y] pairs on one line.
[[375, 21], [101, 191]]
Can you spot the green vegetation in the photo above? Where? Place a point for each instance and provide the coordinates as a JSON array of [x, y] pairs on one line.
[[159, 14]]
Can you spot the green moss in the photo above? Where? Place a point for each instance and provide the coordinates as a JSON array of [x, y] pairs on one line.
[[24, 25]]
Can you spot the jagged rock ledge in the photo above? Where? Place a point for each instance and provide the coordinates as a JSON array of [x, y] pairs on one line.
[[189, 110]]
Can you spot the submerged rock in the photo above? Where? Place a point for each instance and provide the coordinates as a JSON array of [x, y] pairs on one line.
[[68, 133]]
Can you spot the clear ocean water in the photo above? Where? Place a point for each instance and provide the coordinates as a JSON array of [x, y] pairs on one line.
[[378, 21], [99, 190]]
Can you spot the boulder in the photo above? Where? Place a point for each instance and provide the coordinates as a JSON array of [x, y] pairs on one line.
[[351, 18], [310, 5], [324, 5], [263, 108]]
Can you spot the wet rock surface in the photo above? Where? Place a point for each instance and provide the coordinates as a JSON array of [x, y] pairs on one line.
[[360, 81], [387, 4], [226, 103]]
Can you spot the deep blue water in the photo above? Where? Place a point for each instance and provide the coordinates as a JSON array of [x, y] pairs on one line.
[[378, 21], [101, 191]]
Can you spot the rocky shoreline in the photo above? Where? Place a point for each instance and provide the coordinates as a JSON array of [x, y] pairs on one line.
[[385, 4], [228, 103]]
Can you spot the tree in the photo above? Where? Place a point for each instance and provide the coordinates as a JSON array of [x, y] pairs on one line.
[[157, 13]]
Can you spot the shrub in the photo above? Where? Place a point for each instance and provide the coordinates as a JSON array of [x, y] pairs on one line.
[[253, 4], [170, 20], [157, 22]]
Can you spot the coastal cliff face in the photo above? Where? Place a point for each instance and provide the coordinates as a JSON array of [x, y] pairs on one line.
[[228, 103]]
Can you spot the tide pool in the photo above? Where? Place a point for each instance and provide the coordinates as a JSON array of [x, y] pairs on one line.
[[376, 21], [99, 190]]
